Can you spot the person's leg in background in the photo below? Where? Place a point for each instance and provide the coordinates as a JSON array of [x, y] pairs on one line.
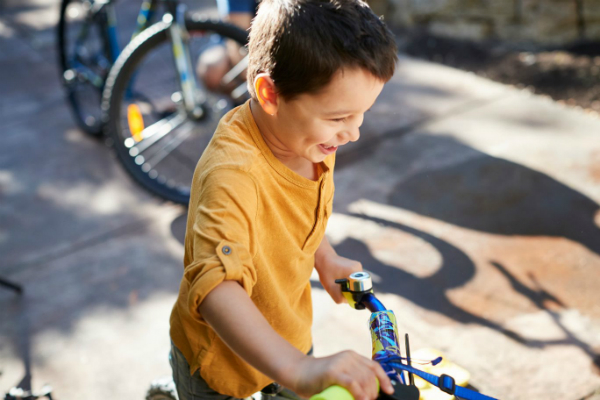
[[215, 62]]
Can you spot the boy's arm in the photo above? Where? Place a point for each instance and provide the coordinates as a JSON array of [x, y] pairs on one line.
[[237, 321], [330, 267]]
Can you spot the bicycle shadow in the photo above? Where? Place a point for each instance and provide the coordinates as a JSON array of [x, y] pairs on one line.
[[498, 196], [430, 292], [456, 270], [540, 297], [22, 338], [444, 180]]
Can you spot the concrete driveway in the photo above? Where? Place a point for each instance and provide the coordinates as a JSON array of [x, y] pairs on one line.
[[476, 207]]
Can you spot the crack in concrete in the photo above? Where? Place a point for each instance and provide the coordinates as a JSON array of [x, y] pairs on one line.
[[66, 250]]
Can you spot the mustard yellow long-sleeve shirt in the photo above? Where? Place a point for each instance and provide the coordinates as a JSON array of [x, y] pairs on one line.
[[252, 220]]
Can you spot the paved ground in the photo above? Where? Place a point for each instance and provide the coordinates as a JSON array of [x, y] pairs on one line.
[[476, 206]]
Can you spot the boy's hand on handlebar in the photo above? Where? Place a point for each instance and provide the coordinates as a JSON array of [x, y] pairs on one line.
[[348, 369], [336, 267]]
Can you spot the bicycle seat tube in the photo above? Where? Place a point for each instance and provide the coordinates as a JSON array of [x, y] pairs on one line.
[[179, 36]]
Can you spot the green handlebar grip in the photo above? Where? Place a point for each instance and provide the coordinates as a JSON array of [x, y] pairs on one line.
[[333, 393], [336, 392]]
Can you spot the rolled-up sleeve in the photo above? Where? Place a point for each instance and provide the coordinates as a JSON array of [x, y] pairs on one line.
[[220, 245]]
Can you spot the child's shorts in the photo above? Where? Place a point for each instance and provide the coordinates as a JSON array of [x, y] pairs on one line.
[[195, 388]]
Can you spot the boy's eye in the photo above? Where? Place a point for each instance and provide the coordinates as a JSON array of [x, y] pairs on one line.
[[339, 119]]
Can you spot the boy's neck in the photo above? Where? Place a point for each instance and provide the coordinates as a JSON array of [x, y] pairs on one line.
[[299, 165]]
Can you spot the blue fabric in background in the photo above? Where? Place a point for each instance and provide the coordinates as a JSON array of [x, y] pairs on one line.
[[236, 6]]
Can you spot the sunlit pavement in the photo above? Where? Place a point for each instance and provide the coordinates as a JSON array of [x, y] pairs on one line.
[[474, 205]]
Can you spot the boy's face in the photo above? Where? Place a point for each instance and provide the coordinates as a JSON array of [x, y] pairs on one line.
[[313, 126]]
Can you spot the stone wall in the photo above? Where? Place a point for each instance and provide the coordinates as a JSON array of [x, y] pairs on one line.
[[550, 22]]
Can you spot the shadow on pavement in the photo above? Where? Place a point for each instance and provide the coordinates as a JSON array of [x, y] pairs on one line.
[[429, 293], [22, 338], [541, 299], [443, 179], [457, 269], [497, 196], [178, 227]]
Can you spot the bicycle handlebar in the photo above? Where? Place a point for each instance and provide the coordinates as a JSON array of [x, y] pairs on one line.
[[334, 392], [358, 290]]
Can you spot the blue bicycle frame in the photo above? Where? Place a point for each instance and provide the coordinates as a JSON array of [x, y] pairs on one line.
[[144, 19], [358, 290]]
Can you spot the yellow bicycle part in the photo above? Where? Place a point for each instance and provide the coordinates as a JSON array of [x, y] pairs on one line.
[[429, 392], [135, 121]]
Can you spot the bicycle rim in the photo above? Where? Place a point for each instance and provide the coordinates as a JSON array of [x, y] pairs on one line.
[[154, 138], [84, 58]]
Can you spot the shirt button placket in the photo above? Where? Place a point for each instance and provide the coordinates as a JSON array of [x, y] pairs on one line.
[[321, 198]]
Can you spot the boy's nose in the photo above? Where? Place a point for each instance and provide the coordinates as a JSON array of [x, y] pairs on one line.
[[350, 134], [352, 131], [354, 134]]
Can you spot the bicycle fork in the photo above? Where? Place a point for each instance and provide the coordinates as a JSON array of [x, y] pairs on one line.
[[179, 35]]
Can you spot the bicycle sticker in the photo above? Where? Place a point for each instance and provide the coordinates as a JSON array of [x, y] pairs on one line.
[[384, 335]]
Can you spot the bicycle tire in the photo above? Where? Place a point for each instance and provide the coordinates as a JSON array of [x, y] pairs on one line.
[[83, 95], [172, 180]]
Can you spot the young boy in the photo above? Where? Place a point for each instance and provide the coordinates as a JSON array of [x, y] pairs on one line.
[[261, 197]]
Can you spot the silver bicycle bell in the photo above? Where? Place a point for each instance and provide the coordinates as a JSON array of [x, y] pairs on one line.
[[360, 282]]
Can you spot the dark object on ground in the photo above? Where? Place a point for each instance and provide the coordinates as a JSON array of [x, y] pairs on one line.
[[569, 74], [11, 285], [18, 393]]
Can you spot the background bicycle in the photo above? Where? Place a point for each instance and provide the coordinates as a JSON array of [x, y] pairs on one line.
[[89, 37], [158, 118]]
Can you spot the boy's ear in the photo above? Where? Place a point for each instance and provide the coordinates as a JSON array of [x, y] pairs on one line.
[[265, 90]]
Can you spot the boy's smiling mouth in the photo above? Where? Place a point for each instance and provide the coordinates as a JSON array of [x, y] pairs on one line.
[[328, 149]]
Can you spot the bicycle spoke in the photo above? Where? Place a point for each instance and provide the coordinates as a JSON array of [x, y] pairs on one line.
[[80, 40], [154, 133], [81, 73], [240, 91], [170, 145], [235, 72]]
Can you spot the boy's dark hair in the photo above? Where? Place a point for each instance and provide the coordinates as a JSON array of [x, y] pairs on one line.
[[303, 43]]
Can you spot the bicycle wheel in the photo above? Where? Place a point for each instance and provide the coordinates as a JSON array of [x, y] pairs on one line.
[[156, 140], [162, 389], [84, 57]]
